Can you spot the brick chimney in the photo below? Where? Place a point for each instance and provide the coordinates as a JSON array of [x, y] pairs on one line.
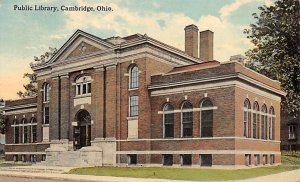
[[191, 40], [206, 45]]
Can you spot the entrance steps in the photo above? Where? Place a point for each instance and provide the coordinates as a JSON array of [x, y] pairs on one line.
[[86, 156]]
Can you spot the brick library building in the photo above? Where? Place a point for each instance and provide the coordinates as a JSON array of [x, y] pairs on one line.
[[136, 101]]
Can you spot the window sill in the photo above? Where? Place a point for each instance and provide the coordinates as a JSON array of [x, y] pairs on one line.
[[133, 118], [46, 102], [168, 137], [83, 95], [186, 136], [132, 89], [45, 125]]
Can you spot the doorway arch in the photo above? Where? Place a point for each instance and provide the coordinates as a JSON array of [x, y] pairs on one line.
[[82, 132]]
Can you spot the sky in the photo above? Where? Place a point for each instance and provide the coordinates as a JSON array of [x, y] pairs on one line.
[[25, 34]]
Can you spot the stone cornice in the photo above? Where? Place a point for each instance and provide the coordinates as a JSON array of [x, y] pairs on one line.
[[217, 78], [24, 106]]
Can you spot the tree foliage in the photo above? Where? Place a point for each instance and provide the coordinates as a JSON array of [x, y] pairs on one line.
[[30, 88], [276, 37]]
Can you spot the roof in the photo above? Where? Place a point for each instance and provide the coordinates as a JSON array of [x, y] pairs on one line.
[[195, 66]]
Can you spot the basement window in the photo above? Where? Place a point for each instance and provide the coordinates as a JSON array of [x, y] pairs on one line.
[[247, 159], [132, 159], [167, 159], [256, 159], [43, 157], [265, 160], [15, 158], [186, 159], [272, 159], [206, 159]]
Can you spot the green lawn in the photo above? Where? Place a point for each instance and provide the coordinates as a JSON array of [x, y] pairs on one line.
[[182, 173], [290, 161], [290, 158]]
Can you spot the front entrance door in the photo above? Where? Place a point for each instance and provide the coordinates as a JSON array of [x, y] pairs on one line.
[[82, 132]]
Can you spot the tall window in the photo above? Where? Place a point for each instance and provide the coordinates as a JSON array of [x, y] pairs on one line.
[[46, 115], [187, 119], [46, 93], [271, 123], [134, 77], [255, 119], [292, 132], [168, 121], [83, 85], [206, 118], [33, 130], [16, 131], [246, 122], [133, 106], [263, 122], [25, 130]]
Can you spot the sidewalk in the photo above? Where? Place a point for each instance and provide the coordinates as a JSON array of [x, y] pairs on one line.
[[56, 174]]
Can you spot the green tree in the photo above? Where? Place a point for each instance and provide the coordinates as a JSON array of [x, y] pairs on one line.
[[30, 88], [276, 39]]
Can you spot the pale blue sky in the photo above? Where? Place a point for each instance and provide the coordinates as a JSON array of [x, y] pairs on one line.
[[25, 34]]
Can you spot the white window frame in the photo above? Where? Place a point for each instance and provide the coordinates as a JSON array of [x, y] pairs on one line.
[[246, 121], [186, 110], [255, 112], [31, 128], [130, 77], [44, 115], [271, 123], [15, 127], [23, 131], [83, 81], [206, 109], [264, 114], [292, 134], [167, 112], [46, 92], [129, 106]]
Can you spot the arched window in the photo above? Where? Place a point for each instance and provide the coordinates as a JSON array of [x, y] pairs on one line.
[[246, 122], [271, 123], [255, 119], [46, 93], [187, 119], [263, 122], [16, 131], [25, 130], [134, 77], [83, 85], [206, 118], [33, 130], [168, 119]]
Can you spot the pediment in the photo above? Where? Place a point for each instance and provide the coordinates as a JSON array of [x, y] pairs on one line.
[[84, 48], [80, 44]]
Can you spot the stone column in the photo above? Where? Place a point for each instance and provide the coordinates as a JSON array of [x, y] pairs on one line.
[[97, 94], [53, 108], [111, 100], [65, 106]]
